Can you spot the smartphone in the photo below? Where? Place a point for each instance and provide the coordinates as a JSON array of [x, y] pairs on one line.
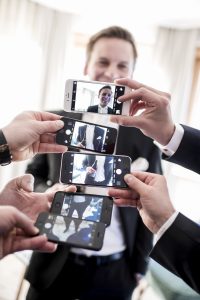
[[94, 169], [88, 136], [89, 207], [95, 97], [71, 231]]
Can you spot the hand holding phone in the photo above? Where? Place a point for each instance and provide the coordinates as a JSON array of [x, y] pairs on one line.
[[95, 97], [71, 231]]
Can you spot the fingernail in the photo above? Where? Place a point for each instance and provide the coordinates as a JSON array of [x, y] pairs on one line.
[[128, 178], [60, 123], [30, 183], [36, 230]]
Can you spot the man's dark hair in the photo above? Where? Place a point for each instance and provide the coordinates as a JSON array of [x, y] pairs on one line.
[[111, 32], [105, 87]]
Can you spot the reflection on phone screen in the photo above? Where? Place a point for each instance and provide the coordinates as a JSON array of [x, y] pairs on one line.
[[73, 231], [93, 170], [96, 97]]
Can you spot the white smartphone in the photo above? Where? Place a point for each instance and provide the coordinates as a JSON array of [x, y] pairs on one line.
[[95, 97]]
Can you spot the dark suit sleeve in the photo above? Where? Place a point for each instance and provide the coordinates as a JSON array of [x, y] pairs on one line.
[[90, 109], [187, 154], [178, 250], [81, 135], [78, 140], [39, 168], [44, 267], [93, 108], [110, 111], [144, 244]]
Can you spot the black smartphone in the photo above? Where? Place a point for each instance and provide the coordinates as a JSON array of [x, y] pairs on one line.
[[71, 231], [95, 97], [89, 207], [88, 136], [94, 169]]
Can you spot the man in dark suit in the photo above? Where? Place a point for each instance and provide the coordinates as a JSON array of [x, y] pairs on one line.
[[105, 95], [77, 204], [90, 137], [113, 272], [91, 163], [178, 238]]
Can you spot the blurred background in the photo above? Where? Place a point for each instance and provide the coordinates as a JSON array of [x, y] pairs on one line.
[[42, 43]]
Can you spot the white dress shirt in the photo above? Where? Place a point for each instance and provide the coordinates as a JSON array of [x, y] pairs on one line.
[[102, 110], [89, 136]]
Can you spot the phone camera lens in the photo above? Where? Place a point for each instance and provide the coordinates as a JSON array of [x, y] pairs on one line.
[[118, 171], [48, 225]]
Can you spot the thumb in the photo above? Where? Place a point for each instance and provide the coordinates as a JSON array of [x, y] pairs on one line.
[[50, 126], [25, 182], [135, 183]]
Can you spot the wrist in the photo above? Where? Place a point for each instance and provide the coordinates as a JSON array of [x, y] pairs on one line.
[[169, 132], [163, 219]]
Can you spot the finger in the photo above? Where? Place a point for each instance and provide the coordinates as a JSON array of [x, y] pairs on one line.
[[126, 121], [65, 188], [136, 183], [51, 148], [125, 202], [23, 222], [70, 188], [35, 243], [46, 116], [49, 126], [119, 193], [48, 247], [137, 85], [25, 182]]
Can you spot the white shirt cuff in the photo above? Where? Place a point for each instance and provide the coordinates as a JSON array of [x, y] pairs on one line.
[[174, 143], [165, 226]]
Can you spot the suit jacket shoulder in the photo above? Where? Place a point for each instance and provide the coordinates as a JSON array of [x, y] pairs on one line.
[[93, 108]]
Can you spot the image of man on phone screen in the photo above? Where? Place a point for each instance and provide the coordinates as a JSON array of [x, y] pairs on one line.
[[105, 96], [90, 137]]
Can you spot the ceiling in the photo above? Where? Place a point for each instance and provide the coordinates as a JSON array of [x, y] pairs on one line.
[[153, 11], [137, 15]]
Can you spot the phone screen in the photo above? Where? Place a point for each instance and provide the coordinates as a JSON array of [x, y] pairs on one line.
[[96, 97], [88, 136], [94, 170], [83, 206], [76, 232]]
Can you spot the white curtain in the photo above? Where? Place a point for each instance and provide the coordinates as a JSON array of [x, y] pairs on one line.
[[35, 48], [174, 53]]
